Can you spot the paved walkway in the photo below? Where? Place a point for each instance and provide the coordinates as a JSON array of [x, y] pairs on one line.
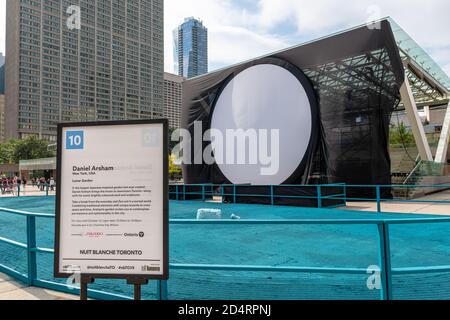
[[402, 207], [13, 290]]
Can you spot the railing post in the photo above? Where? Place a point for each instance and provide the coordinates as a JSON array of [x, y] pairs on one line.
[[272, 195], [319, 196], [345, 194], [234, 194], [203, 193], [31, 249], [385, 261], [177, 192], [46, 190], [162, 290], [18, 190], [378, 199]]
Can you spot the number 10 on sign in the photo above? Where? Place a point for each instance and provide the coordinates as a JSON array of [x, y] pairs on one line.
[[75, 140]]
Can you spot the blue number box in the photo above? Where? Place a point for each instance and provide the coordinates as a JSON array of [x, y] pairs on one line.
[[75, 140]]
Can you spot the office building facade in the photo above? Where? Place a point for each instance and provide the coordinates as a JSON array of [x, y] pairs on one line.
[[173, 95], [110, 68], [2, 117], [191, 48], [2, 97], [2, 74]]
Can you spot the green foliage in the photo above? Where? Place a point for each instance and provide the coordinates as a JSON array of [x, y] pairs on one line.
[[12, 151], [7, 152], [175, 172], [400, 136]]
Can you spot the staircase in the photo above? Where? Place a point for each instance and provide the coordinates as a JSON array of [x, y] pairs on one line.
[[413, 179], [402, 164], [422, 170]]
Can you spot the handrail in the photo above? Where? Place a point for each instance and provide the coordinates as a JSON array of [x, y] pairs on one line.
[[384, 251], [26, 214], [319, 197], [216, 267], [13, 243], [258, 186], [427, 168], [413, 172], [277, 222], [315, 186], [417, 270], [274, 222], [382, 223]]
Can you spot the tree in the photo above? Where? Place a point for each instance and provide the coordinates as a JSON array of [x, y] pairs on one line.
[[30, 149], [7, 152], [175, 172], [12, 151], [401, 136]]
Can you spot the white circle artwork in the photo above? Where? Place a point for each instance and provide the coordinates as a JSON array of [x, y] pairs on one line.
[[263, 97]]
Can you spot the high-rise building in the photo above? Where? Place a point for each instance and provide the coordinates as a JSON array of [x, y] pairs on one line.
[[173, 94], [2, 97], [109, 68], [2, 117], [2, 74], [191, 48]]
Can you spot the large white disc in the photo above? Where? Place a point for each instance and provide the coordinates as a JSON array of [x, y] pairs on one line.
[[267, 97]]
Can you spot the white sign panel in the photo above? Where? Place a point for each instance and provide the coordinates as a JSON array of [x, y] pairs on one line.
[[112, 200]]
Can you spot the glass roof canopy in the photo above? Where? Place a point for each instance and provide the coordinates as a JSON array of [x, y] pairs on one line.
[[430, 84], [410, 48]]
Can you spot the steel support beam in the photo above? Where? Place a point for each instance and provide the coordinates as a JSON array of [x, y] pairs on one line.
[[441, 154], [416, 123]]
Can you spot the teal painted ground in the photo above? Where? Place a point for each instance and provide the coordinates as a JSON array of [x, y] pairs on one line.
[[302, 246]]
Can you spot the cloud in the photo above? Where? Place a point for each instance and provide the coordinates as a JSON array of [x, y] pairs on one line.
[[426, 21], [242, 29], [232, 37], [214, 13], [229, 45], [2, 25]]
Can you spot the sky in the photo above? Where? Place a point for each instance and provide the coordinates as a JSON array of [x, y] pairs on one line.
[[243, 29]]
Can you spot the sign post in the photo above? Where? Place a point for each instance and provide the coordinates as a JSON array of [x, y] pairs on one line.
[[112, 205]]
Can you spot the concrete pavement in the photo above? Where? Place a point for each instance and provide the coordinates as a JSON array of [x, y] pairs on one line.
[[409, 208], [10, 289]]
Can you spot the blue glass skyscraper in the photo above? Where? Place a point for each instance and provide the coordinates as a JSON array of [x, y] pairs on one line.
[[191, 48]]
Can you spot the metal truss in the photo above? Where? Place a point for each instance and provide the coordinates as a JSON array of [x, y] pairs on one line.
[[369, 71], [426, 89]]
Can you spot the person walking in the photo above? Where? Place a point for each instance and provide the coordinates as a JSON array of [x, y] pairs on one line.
[[52, 184], [24, 184], [42, 183]]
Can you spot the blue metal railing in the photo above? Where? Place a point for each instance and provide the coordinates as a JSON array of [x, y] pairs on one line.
[[31, 277], [19, 190], [320, 196], [384, 241], [380, 199], [323, 193]]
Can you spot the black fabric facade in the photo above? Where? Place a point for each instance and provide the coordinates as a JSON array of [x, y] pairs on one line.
[[356, 78]]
